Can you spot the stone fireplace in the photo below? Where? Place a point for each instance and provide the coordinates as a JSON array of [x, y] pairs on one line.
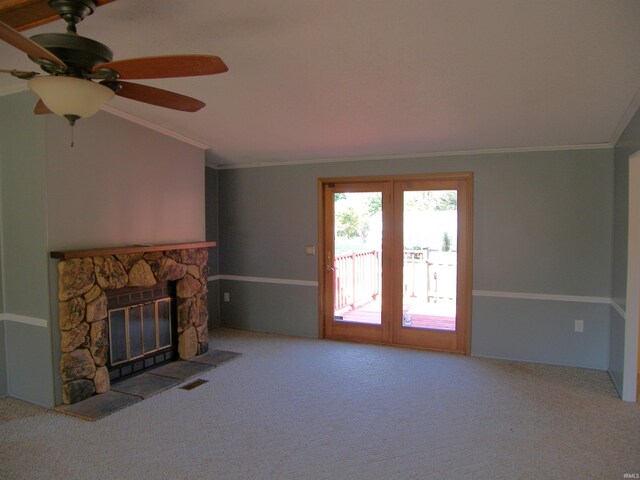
[[87, 279]]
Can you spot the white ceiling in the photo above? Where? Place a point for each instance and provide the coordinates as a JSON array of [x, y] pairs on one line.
[[328, 79]]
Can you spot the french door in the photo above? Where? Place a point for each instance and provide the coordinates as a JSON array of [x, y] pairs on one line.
[[395, 262]]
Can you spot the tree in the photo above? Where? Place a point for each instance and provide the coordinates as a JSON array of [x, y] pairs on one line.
[[432, 200], [446, 242], [353, 213], [374, 204], [363, 230], [348, 222], [447, 200]]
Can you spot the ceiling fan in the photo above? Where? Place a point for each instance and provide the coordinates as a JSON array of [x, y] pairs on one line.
[[82, 74]]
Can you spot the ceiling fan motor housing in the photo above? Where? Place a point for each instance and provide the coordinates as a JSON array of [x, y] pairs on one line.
[[80, 54]]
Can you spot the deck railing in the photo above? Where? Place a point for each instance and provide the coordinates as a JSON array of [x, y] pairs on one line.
[[357, 278], [430, 274], [426, 274]]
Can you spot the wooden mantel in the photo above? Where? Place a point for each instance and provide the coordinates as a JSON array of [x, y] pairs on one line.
[[100, 252]]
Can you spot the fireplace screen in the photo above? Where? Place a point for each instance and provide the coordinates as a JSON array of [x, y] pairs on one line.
[[139, 330]]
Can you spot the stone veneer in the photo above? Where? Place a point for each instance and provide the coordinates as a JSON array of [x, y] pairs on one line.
[[83, 309]]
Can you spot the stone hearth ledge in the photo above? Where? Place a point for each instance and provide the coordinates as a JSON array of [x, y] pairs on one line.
[[83, 278]]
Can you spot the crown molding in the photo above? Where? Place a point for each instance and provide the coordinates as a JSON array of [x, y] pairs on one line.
[[628, 114], [153, 126], [632, 108], [209, 164], [554, 148]]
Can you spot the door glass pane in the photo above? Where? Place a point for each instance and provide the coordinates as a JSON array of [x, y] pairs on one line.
[[430, 235], [358, 257]]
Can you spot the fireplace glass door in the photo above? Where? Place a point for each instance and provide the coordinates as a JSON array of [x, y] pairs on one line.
[[139, 330]]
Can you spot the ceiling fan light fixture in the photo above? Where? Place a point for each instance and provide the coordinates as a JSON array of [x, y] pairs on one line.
[[70, 97]]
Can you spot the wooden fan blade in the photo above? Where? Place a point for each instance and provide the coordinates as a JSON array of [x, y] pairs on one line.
[[25, 14], [41, 108], [159, 97], [167, 66], [31, 48]]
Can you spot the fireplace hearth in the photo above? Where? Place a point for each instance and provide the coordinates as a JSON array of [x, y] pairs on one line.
[[128, 308]]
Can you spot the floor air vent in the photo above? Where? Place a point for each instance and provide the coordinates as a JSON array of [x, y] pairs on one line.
[[194, 384]]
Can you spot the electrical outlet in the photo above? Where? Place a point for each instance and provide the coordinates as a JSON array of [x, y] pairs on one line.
[[227, 297], [579, 326]]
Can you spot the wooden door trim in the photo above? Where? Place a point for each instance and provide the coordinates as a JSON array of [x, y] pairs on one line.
[[459, 341], [331, 329], [465, 280], [397, 178], [320, 252]]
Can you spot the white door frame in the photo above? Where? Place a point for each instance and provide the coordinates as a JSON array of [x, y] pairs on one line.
[[632, 313]]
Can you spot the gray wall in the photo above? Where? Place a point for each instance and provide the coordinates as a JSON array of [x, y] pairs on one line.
[[1, 280], [30, 372], [542, 225], [616, 349], [541, 331], [121, 184], [273, 308], [211, 221], [628, 144], [24, 239], [24, 235], [3, 356], [3, 362]]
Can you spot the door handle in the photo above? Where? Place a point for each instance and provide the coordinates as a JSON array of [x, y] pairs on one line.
[[330, 268]]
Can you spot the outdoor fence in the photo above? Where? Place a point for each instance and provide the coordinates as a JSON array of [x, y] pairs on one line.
[[430, 274], [357, 278], [427, 274]]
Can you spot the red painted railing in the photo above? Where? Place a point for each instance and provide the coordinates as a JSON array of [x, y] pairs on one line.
[[427, 274], [357, 278]]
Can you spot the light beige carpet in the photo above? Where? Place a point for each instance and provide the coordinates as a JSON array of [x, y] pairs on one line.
[[293, 408]]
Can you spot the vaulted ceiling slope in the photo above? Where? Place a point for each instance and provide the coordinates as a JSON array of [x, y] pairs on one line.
[[344, 78]]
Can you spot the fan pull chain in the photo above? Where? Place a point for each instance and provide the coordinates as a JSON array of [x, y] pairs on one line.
[[72, 121]]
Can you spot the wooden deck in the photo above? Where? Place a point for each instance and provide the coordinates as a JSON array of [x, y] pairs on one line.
[[416, 315]]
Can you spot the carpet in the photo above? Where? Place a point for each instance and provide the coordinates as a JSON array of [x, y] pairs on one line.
[[294, 408]]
